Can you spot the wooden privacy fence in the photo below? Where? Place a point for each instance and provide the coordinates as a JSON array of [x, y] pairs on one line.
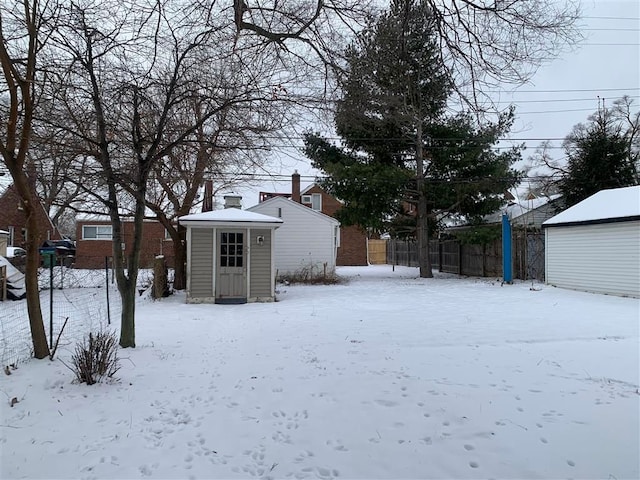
[[377, 251], [453, 256]]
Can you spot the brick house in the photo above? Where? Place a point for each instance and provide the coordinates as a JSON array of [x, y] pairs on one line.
[[14, 221], [353, 239], [94, 242]]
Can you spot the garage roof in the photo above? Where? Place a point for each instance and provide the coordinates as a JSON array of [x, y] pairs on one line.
[[617, 204]]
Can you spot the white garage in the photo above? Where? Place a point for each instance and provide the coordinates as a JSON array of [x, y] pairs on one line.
[[595, 245]]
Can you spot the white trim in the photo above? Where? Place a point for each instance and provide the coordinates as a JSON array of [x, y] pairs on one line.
[[188, 269], [247, 262], [273, 265], [228, 224], [214, 259]]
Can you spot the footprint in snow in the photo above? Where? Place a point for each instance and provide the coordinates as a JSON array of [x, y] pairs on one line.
[[386, 403]]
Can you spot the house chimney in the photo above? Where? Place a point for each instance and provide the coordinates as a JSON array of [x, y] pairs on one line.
[[207, 204], [295, 187], [233, 201]]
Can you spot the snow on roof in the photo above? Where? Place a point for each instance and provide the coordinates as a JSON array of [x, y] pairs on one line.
[[299, 206], [604, 205], [519, 208], [229, 215]]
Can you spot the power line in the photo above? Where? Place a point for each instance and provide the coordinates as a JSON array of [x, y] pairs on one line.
[[611, 29], [610, 44], [556, 100], [557, 111], [635, 19], [569, 90]]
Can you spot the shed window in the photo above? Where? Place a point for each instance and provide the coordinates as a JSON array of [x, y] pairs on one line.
[[231, 249], [97, 232]]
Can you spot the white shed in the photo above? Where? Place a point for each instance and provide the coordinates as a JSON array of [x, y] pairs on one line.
[[595, 245], [307, 242], [230, 256]]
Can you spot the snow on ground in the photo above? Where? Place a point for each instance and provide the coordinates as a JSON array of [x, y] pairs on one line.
[[386, 376]]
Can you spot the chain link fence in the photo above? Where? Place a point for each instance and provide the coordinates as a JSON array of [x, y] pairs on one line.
[[88, 300]]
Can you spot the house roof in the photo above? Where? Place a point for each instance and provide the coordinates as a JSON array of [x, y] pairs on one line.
[[287, 201], [519, 208], [604, 206], [228, 216]]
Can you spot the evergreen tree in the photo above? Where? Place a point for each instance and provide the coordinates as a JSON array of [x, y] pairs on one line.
[[602, 154], [399, 148]]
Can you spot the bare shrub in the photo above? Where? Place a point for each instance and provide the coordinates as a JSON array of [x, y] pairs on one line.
[[311, 274], [96, 358]]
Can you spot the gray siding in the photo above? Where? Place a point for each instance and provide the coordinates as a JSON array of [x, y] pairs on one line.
[[602, 258], [260, 265], [534, 218], [201, 263]]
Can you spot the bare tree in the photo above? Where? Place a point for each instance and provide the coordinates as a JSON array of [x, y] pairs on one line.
[[123, 77], [226, 150], [62, 175], [485, 44], [616, 126], [20, 46], [488, 44]]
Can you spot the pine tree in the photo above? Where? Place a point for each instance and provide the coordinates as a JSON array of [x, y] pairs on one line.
[[399, 148], [601, 155]]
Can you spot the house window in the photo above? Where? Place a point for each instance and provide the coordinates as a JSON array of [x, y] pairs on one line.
[[12, 233], [96, 232], [316, 202]]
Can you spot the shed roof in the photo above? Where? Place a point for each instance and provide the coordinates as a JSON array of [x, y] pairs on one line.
[[229, 215], [604, 206]]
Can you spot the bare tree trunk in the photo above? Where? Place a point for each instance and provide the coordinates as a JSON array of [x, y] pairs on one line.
[[128, 326], [36, 324], [422, 220], [18, 70]]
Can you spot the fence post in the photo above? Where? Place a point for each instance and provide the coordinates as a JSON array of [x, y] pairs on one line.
[[506, 249], [51, 257], [106, 278]]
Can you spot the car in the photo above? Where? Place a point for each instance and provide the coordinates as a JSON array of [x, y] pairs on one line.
[[16, 252], [62, 248]]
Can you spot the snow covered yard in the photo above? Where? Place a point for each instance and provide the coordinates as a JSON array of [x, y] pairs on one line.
[[386, 376]]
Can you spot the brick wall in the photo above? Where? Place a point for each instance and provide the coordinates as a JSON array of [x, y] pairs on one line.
[[353, 246], [12, 218], [90, 253]]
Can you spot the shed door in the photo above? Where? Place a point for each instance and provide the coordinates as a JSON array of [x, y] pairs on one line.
[[231, 284]]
